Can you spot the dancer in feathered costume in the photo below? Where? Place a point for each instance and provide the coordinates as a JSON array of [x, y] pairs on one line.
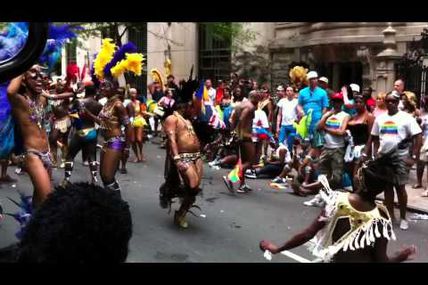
[[183, 164], [110, 63], [28, 101], [353, 227]]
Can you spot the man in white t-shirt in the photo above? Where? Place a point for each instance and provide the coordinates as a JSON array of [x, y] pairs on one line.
[[287, 114], [396, 130], [211, 91]]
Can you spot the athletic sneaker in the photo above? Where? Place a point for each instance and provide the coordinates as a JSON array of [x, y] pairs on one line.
[[244, 189], [404, 225], [229, 184], [315, 202], [279, 180], [213, 163], [251, 173]]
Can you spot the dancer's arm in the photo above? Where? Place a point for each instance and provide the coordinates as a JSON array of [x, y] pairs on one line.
[[297, 240], [61, 96], [14, 86], [400, 256], [342, 130], [124, 120]]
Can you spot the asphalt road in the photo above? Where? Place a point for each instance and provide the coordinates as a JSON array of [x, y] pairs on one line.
[[228, 229]]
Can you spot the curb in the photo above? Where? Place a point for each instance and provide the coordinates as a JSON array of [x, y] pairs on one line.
[[410, 208]]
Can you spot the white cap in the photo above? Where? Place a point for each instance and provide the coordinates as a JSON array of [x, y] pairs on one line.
[[312, 75], [323, 79], [355, 87], [280, 88]]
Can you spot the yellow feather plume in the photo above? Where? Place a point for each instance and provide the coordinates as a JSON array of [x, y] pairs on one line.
[[298, 75], [104, 56], [133, 63]]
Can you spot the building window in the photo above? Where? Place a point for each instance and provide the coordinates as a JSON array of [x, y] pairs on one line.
[[215, 56], [139, 38]]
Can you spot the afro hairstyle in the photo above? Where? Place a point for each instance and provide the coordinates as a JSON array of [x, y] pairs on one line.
[[78, 223]]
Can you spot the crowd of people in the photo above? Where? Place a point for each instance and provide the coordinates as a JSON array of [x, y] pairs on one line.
[[297, 133], [307, 138]]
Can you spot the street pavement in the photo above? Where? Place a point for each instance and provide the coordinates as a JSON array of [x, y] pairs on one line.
[[228, 229]]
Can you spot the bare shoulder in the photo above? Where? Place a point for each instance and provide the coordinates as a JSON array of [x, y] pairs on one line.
[[171, 119]]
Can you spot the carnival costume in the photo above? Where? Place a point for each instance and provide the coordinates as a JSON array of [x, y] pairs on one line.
[[364, 227], [110, 63], [174, 186]]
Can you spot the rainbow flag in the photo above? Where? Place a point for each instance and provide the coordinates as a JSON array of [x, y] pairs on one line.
[[201, 95], [389, 127], [236, 173]]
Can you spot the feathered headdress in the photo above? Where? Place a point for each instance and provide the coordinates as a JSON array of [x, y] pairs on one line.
[[58, 36], [15, 36], [298, 75], [112, 62], [24, 214]]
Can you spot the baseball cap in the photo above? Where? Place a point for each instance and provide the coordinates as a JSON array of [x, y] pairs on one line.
[[355, 87], [337, 96], [312, 75], [280, 88], [323, 79]]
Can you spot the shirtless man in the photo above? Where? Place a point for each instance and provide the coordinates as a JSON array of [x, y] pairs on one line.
[[61, 124], [242, 122], [183, 154], [28, 101], [85, 136]]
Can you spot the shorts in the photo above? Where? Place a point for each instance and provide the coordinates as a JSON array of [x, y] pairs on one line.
[[403, 171]]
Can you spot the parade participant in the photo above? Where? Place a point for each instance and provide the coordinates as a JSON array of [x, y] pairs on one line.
[[287, 115], [396, 129], [273, 166], [61, 124], [109, 64], [183, 164], [331, 164], [360, 126], [112, 116], [138, 123], [423, 157], [370, 102], [78, 223], [25, 96], [410, 104], [353, 227], [267, 105], [242, 123], [323, 83], [315, 98], [85, 135], [380, 105]]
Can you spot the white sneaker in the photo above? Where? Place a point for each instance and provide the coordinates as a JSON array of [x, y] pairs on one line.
[[404, 225], [315, 202]]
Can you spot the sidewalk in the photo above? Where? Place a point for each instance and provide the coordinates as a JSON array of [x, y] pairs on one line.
[[415, 202]]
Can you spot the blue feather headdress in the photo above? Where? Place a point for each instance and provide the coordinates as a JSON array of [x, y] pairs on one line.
[[15, 36], [58, 36], [24, 213]]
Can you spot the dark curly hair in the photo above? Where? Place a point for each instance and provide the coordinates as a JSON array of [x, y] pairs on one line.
[[79, 223]]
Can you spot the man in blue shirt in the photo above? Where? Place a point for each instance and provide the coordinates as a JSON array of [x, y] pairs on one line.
[[315, 98]]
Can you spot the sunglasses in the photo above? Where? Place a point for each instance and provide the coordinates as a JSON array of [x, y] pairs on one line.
[[393, 101]]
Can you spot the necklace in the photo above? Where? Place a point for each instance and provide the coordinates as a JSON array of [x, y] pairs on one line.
[[36, 111], [189, 127]]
